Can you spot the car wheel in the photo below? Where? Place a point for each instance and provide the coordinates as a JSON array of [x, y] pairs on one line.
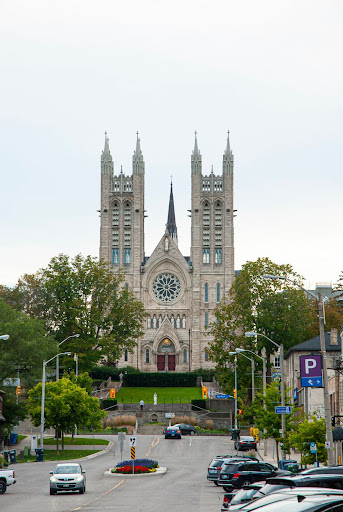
[[2, 487], [82, 490], [52, 492], [192, 432], [227, 489], [246, 482]]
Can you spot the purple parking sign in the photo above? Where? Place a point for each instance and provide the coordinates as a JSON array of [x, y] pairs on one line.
[[311, 370]]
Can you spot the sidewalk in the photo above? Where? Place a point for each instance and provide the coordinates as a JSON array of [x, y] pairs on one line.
[[271, 452]]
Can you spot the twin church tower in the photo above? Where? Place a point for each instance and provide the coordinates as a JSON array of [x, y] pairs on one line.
[[179, 292]]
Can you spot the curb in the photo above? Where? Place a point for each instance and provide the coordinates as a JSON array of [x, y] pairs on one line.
[[159, 471]]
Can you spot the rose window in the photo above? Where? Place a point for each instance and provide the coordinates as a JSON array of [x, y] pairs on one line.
[[166, 287]]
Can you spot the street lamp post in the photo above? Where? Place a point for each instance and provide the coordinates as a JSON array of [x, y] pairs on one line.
[[57, 357], [235, 398], [240, 352], [43, 396], [263, 359], [283, 418], [320, 303]]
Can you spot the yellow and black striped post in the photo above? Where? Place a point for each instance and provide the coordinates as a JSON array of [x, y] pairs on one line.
[[133, 452]]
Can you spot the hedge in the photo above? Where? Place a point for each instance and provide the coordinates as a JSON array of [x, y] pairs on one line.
[[160, 380]]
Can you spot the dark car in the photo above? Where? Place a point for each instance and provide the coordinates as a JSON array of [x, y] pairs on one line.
[[234, 501], [322, 470], [246, 472], [300, 500], [186, 429], [325, 481], [245, 443], [172, 433], [216, 465]]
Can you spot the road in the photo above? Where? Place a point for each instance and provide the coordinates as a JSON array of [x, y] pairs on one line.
[[183, 487]]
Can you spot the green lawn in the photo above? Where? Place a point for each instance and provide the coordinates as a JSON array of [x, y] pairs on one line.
[[164, 395], [64, 455], [77, 441]]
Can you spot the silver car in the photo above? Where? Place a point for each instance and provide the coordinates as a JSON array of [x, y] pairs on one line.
[[68, 477]]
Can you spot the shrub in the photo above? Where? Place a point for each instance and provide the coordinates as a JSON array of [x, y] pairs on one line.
[[160, 380], [136, 469], [209, 424], [149, 463]]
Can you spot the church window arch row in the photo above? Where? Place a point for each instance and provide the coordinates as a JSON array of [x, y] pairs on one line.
[[127, 232], [218, 185], [177, 321], [206, 238], [206, 185], [115, 232]]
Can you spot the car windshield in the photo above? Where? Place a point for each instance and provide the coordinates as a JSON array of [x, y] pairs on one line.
[[229, 468], [67, 469], [216, 463], [268, 488], [242, 496]]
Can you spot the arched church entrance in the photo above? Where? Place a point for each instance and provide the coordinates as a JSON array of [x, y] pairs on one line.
[[166, 356]]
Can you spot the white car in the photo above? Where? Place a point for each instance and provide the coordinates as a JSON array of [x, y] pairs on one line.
[[68, 477]]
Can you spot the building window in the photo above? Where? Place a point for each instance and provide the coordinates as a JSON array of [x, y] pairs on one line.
[[218, 292], [127, 287], [218, 256], [125, 355], [206, 355], [115, 256], [185, 355], [206, 292], [127, 256], [206, 320], [277, 362], [147, 356], [206, 256]]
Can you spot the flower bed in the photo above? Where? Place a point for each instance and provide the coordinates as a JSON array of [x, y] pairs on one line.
[[140, 466]]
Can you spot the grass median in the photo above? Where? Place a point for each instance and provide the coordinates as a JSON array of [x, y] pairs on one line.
[[164, 395], [85, 441]]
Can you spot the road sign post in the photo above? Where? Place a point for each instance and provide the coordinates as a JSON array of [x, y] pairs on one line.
[[283, 409], [133, 452]]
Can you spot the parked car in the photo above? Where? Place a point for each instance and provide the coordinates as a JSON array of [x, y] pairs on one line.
[[234, 500], [172, 433], [217, 463], [245, 443], [7, 477], [247, 472], [325, 481], [68, 477], [322, 470], [186, 429], [302, 499]]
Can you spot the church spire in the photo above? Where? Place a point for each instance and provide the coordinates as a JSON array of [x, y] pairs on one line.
[[137, 159], [106, 158], [196, 157], [228, 157], [171, 223]]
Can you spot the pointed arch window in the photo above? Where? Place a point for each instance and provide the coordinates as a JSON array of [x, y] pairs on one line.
[[206, 222], [115, 233], [206, 292], [147, 356], [206, 320], [185, 358], [206, 355], [126, 355], [218, 292]]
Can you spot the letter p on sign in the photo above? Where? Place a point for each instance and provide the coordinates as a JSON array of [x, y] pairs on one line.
[[309, 365]]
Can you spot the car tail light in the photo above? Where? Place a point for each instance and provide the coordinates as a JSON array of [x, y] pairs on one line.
[[13, 474], [236, 475], [179, 431], [226, 499]]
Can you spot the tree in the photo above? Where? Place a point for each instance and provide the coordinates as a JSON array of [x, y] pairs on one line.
[[84, 296], [66, 405], [275, 308], [312, 430], [27, 346], [12, 411], [262, 414]]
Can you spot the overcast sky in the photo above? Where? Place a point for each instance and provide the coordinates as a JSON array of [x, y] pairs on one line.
[[268, 71]]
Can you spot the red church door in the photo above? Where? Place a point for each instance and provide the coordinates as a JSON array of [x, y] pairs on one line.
[[171, 363], [160, 362]]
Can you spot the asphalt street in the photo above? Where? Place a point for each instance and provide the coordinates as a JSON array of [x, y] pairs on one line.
[[183, 487]]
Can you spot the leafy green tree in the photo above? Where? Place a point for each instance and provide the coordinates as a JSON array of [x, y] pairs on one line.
[[310, 430], [262, 414], [275, 308], [27, 346], [12, 411], [83, 380], [66, 405], [84, 296]]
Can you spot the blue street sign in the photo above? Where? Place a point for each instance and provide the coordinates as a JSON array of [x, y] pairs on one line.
[[313, 447], [221, 395], [286, 409], [312, 382]]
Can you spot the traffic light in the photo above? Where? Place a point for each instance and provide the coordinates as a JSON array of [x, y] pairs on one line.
[[112, 393], [240, 411], [235, 393], [204, 393], [17, 391]]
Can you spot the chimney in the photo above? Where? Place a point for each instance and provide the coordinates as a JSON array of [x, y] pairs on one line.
[[333, 337]]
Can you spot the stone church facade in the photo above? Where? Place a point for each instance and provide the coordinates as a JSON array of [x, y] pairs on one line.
[[179, 292]]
